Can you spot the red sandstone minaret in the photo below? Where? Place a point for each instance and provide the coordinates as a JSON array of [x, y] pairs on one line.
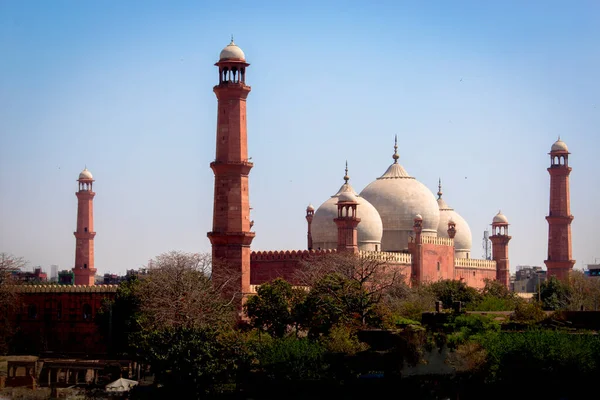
[[231, 236], [416, 247], [559, 261], [500, 241], [310, 214], [84, 270], [346, 222]]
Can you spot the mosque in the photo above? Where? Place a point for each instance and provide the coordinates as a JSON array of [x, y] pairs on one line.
[[395, 219]]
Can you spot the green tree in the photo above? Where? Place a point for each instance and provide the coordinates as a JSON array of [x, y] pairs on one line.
[[448, 291], [273, 308], [554, 294]]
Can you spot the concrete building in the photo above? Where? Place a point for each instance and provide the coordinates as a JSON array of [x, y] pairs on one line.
[[528, 279]]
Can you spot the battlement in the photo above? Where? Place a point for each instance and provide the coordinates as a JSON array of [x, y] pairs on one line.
[[66, 289], [437, 240], [474, 263], [400, 258], [288, 255]]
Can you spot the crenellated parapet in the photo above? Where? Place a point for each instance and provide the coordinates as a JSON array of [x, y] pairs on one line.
[[288, 255], [398, 258], [440, 241], [66, 289], [474, 263]]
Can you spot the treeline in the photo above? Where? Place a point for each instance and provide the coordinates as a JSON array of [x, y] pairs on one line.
[[351, 326]]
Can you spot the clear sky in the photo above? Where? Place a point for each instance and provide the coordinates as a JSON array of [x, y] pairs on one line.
[[476, 91]]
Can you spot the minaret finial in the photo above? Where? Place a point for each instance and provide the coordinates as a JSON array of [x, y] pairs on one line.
[[395, 156], [439, 193], [232, 39], [346, 177]]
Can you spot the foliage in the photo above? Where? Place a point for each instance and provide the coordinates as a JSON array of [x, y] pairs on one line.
[[467, 327], [194, 359], [541, 355], [121, 317], [448, 291], [336, 299], [528, 313], [342, 339], [409, 302], [274, 306], [291, 358], [8, 297], [178, 292], [554, 294], [584, 293], [491, 303]]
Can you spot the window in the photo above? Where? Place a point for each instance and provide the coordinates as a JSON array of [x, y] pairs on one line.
[[32, 311], [84, 265], [87, 312], [438, 266], [85, 229]]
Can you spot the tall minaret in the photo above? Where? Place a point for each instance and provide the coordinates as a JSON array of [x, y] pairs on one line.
[[84, 236], [231, 236], [559, 261], [347, 221], [500, 241]]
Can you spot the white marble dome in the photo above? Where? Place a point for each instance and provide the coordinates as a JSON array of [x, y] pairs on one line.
[[398, 197], [324, 230], [463, 240], [86, 174], [559, 145], [232, 52]]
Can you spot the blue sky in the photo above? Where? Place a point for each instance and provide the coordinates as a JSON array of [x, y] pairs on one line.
[[477, 92]]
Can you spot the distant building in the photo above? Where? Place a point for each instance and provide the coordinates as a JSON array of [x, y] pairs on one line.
[[528, 279], [54, 273], [66, 277], [593, 270], [37, 276]]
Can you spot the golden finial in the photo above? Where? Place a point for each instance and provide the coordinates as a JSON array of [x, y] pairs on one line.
[[395, 156], [346, 177], [439, 193]]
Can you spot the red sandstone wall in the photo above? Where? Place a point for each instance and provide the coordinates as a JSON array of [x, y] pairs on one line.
[[438, 262], [268, 265], [46, 330], [474, 277]]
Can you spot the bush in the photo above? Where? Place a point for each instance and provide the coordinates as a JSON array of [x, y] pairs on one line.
[[342, 339], [291, 358], [448, 291], [530, 313], [470, 327]]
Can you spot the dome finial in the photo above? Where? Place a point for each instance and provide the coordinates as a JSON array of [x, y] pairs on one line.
[[232, 39], [439, 193], [395, 156], [346, 177]]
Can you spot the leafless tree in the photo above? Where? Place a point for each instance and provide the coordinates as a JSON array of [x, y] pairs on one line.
[[9, 264], [584, 292], [177, 292]]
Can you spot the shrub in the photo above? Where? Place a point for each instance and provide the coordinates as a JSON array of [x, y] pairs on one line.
[[291, 358]]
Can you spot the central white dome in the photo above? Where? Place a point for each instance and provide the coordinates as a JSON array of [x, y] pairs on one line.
[[398, 197], [369, 230]]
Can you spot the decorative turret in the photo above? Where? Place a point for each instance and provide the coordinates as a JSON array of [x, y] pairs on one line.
[[347, 221], [451, 229], [84, 270], [500, 241], [559, 218], [310, 213]]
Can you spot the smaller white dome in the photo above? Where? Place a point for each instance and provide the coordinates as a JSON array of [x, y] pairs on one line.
[[347, 197], [232, 52], [85, 174], [310, 208], [559, 145], [500, 218], [418, 216], [451, 222]]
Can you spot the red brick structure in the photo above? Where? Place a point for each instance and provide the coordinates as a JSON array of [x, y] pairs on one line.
[[559, 262], [500, 241], [61, 318], [84, 269], [346, 222], [231, 236]]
